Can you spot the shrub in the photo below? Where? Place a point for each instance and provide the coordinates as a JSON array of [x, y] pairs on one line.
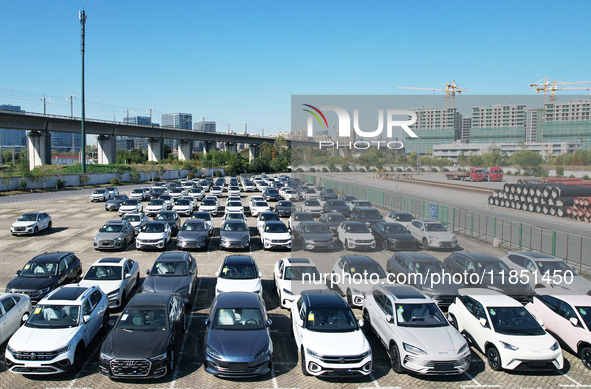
[[217, 173], [399, 170], [156, 179], [190, 175], [84, 179], [299, 169], [312, 170], [445, 170], [114, 181], [559, 171], [434, 170], [60, 184], [586, 177], [22, 185], [324, 170], [571, 176], [134, 177], [361, 169]]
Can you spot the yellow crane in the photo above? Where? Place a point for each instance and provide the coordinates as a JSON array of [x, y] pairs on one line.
[[546, 86], [450, 91]]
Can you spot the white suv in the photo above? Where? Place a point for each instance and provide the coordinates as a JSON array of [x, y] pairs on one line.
[[328, 336], [61, 326]]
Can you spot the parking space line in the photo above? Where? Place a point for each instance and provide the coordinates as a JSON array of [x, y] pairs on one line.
[[84, 365], [376, 384], [576, 383]]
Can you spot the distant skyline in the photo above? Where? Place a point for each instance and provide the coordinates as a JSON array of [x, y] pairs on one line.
[[235, 62]]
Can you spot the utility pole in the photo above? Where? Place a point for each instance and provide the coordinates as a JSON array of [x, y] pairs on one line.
[[246, 128], [71, 106], [82, 16], [150, 116], [44, 105]]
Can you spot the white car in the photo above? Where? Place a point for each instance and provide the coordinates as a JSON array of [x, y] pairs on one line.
[[258, 207], [15, 309], [239, 273], [355, 235], [116, 277], [183, 207], [130, 205], [294, 275], [359, 203], [60, 327], [177, 192], [136, 219], [275, 234], [214, 198], [154, 234], [112, 190], [208, 205], [234, 206], [432, 234], [291, 194], [138, 194], [248, 186], [216, 191], [234, 191], [403, 218], [504, 331], [328, 336], [196, 193], [309, 194], [546, 271], [100, 195], [168, 201], [313, 207], [354, 275], [31, 223], [414, 331], [205, 216], [155, 206], [234, 216], [253, 199], [266, 217]]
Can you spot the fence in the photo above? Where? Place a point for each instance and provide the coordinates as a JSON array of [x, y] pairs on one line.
[[500, 232]]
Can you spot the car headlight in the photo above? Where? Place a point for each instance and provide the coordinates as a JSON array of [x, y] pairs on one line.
[[12, 351], [62, 350], [263, 352], [184, 289], [413, 349], [113, 293], [160, 357], [509, 346], [392, 240], [287, 292], [555, 346], [366, 354], [313, 353], [44, 290], [146, 288], [212, 352], [463, 348]]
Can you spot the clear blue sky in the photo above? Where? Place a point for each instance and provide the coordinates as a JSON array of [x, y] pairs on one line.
[[236, 61]]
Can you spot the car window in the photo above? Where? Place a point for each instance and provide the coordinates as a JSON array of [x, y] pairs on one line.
[[302, 308], [551, 302], [62, 266], [474, 307], [70, 260], [404, 263], [566, 311], [8, 303], [86, 308], [95, 298], [280, 268], [529, 265], [517, 259]]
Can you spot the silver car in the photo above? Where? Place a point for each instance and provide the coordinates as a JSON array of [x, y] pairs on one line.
[[234, 234], [136, 219], [115, 234]]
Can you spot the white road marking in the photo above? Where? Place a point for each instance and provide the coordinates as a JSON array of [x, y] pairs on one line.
[[576, 384]]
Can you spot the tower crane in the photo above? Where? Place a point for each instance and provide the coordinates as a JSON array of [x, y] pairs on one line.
[[546, 86], [450, 91]]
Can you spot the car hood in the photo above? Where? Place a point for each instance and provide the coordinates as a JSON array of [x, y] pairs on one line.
[[442, 341], [401, 237], [234, 235], [321, 237], [505, 286], [108, 235], [232, 344], [528, 342], [106, 286], [440, 285], [151, 235], [337, 343], [135, 344], [177, 206], [207, 207], [578, 285], [229, 285], [359, 235], [154, 206], [23, 224], [441, 235], [32, 283], [41, 339], [167, 284], [123, 207], [281, 235], [192, 235], [119, 202]]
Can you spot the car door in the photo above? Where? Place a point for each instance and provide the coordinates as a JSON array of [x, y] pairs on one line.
[[560, 322], [10, 319], [128, 281], [278, 275], [299, 322], [96, 312], [471, 321], [381, 309]]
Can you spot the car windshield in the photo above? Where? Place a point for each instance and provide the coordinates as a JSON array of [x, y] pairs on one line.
[[585, 313], [54, 316], [130, 202], [276, 228], [156, 202], [269, 217], [302, 217], [120, 197], [235, 227], [260, 204], [336, 218], [312, 203], [39, 269], [166, 197], [208, 202], [514, 321], [137, 191], [553, 267], [337, 203], [166, 268], [284, 204], [216, 188], [28, 217], [183, 202], [271, 192], [234, 204], [357, 228], [429, 267], [143, 320], [434, 227], [370, 214], [234, 216], [331, 320], [237, 319], [420, 315], [296, 273], [131, 218], [104, 273], [402, 217], [193, 226], [112, 228], [164, 216], [99, 191], [315, 229], [495, 267], [363, 204], [153, 227], [245, 271], [395, 229], [202, 216], [328, 191], [366, 270]]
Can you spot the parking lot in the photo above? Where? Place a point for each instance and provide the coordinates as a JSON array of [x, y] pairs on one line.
[[75, 223]]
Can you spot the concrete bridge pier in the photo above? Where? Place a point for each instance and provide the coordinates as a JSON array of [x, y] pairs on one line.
[[155, 149], [208, 146], [107, 149], [39, 148], [253, 152], [185, 151], [232, 147]]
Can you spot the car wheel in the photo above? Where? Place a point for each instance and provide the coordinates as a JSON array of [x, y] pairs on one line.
[[49, 226], [395, 359], [452, 320], [25, 318], [123, 297], [366, 321], [586, 356], [78, 354], [425, 244], [106, 317], [494, 358], [171, 361], [137, 281], [304, 367], [36, 231]]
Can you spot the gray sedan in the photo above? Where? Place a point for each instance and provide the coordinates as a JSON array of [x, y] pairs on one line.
[[173, 272], [234, 234], [115, 234], [194, 234], [115, 202], [313, 235]]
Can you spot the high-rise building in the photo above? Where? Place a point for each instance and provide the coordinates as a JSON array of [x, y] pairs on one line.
[[128, 142], [203, 126], [498, 123], [12, 138], [176, 120], [466, 125], [565, 122], [65, 142], [531, 125], [433, 126]]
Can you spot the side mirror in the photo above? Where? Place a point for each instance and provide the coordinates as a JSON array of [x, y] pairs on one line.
[[482, 322], [128, 275], [18, 272], [574, 321], [541, 322], [299, 321], [360, 323], [269, 322], [207, 322], [217, 273], [147, 271], [260, 274], [86, 318], [389, 319], [111, 322]]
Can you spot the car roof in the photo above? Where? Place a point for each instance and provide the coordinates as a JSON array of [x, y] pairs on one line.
[[323, 299], [156, 222], [406, 293], [68, 293], [115, 222], [534, 255], [238, 260], [149, 300], [48, 257], [480, 257], [365, 209], [359, 259], [429, 221], [566, 295], [417, 257], [110, 260], [172, 256], [298, 261], [238, 300], [31, 213], [489, 298]]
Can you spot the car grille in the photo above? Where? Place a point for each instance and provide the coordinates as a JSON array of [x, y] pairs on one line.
[[130, 367], [149, 241], [106, 243], [279, 240], [20, 228], [364, 241], [35, 356], [237, 368], [30, 293], [341, 359], [438, 366]]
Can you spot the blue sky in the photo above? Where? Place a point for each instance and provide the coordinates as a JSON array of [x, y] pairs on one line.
[[236, 62]]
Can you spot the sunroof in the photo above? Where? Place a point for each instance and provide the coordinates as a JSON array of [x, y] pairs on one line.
[[68, 294], [405, 292], [110, 260]]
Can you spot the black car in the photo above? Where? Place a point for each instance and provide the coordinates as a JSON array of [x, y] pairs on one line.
[[332, 220], [492, 273], [172, 218], [143, 341], [271, 195], [330, 193], [430, 275], [337, 206], [115, 202], [369, 216], [285, 208], [393, 236], [313, 235], [173, 272], [156, 193], [44, 273], [348, 198]]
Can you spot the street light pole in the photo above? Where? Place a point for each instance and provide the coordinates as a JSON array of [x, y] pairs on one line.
[[82, 16]]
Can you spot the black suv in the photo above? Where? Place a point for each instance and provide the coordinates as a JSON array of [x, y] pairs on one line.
[[44, 273], [170, 217], [367, 215]]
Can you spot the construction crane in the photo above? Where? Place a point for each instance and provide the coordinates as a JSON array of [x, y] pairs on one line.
[[450, 91], [546, 86]]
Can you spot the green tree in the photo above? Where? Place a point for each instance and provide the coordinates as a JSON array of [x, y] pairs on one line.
[[527, 159]]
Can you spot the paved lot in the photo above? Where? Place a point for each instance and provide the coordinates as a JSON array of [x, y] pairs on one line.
[[76, 221]]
